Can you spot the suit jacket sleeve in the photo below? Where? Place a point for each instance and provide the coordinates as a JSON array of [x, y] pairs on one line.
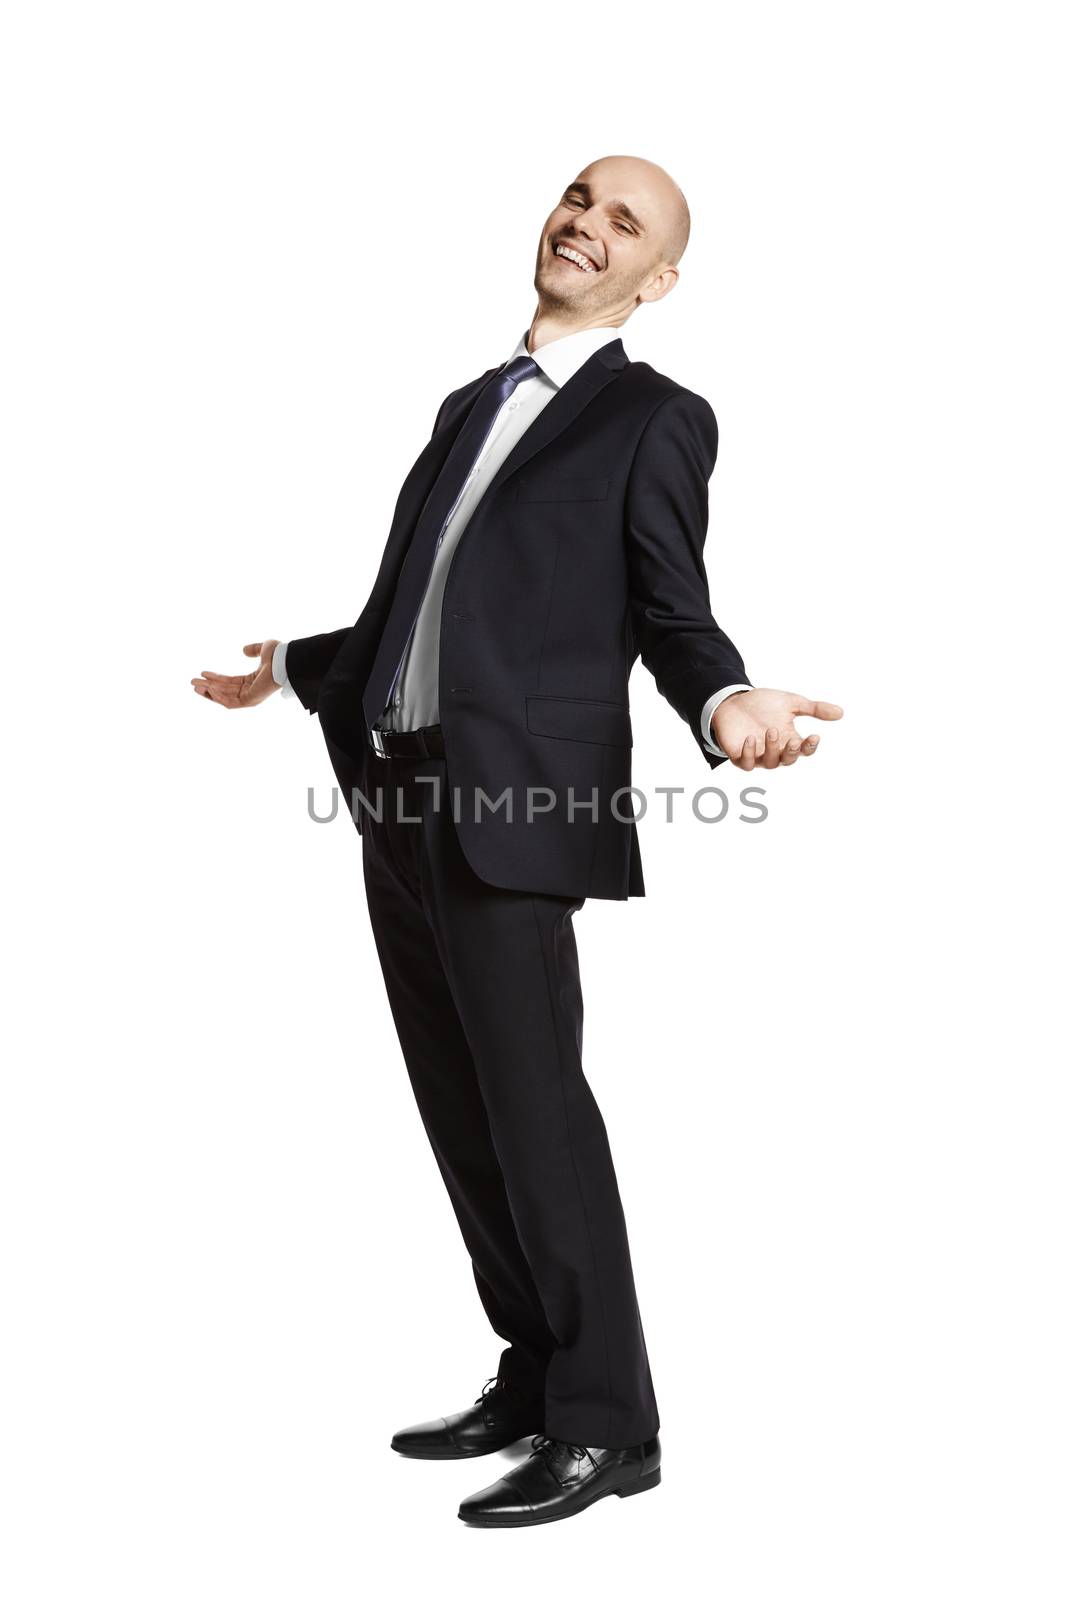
[[666, 513], [307, 661]]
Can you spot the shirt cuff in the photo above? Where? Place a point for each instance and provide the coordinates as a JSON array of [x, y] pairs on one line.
[[278, 672], [710, 708]]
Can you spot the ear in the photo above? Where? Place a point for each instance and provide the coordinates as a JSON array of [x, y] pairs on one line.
[[659, 285]]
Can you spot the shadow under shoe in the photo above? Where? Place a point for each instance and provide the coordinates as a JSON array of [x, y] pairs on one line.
[[500, 1416]]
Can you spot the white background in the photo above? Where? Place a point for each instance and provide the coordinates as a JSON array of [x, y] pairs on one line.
[[249, 250]]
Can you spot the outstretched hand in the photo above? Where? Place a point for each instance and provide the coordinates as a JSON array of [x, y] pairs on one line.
[[756, 727], [249, 690]]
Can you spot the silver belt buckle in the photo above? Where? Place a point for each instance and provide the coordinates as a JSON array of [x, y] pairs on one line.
[[378, 744]]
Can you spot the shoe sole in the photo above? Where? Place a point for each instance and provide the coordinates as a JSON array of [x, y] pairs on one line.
[[506, 1519], [459, 1455]]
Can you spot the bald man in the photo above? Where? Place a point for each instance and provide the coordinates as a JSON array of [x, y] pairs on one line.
[[476, 716]]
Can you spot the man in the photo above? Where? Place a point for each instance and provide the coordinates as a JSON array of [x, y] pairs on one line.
[[476, 716]]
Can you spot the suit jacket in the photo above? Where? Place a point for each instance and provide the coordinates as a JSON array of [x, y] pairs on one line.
[[585, 552]]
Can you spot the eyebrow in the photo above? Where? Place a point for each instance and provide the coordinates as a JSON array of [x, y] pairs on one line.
[[619, 206]]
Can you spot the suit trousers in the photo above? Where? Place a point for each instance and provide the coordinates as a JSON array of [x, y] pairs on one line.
[[484, 989]]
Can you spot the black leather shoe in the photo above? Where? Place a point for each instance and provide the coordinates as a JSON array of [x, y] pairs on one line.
[[499, 1417], [559, 1480]]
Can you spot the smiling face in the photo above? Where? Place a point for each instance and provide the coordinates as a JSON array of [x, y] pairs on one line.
[[613, 242]]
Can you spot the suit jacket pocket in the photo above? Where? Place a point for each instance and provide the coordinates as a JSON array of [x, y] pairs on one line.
[[590, 721], [550, 486]]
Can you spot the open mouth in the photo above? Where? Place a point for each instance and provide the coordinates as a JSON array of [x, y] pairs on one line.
[[576, 259]]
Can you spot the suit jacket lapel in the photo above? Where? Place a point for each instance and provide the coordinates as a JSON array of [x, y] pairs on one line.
[[595, 374], [426, 469]]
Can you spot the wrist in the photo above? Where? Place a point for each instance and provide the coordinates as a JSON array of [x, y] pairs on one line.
[[712, 742], [725, 701]]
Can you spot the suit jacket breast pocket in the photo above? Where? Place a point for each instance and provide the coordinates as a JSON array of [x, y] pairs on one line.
[[553, 486]]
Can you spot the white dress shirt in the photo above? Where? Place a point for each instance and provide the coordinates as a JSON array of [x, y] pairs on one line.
[[415, 701]]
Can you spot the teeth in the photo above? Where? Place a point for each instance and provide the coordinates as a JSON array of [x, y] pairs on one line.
[[572, 255]]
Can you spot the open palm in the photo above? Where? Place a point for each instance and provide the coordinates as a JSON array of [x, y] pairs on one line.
[[248, 690], [756, 728]]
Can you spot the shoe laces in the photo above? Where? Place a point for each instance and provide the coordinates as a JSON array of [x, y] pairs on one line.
[[543, 1444], [490, 1389]]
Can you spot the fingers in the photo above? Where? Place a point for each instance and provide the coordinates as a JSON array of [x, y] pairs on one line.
[[797, 746], [747, 759], [223, 693], [825, 710], [778, 747], [236, 689]]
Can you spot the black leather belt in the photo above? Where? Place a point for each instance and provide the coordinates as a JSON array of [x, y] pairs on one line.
[[414, 746]]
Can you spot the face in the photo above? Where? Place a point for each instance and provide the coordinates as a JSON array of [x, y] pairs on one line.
[[603, 249]]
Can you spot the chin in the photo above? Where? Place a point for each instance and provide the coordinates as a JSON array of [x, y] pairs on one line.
[[550, 294], [560, 284]]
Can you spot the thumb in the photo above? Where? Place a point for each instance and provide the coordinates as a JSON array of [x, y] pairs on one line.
[[825, 710], [253, 649]]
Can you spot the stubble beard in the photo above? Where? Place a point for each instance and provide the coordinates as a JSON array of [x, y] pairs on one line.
[[553, 298]]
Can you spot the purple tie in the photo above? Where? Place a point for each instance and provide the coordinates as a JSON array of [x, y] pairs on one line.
[[429, 531]]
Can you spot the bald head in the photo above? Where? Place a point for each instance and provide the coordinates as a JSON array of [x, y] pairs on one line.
[[664, 203], [612, 243]]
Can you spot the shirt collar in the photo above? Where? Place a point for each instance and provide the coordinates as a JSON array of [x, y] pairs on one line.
[[561, 358]]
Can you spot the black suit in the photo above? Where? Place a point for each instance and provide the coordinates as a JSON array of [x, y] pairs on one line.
[[585, 550]]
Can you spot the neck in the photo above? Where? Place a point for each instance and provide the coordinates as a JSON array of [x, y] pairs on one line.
[[549, 324]]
